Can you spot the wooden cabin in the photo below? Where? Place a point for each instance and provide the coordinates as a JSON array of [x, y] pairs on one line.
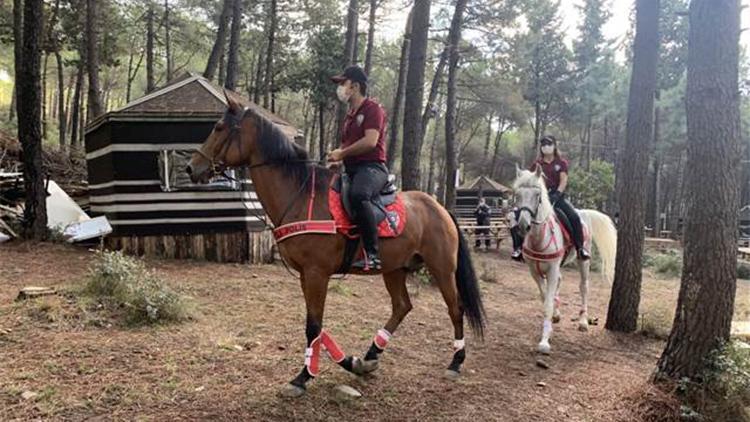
[[136, 158]]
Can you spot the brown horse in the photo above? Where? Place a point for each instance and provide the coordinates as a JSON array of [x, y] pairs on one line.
[[281, 171]]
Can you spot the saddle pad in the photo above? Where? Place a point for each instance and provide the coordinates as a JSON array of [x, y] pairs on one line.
[[395, 217]]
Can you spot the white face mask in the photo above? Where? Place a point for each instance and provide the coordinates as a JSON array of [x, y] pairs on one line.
[[548, 149], [342, 94]]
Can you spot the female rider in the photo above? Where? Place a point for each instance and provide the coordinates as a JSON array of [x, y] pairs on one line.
[[555, 169]]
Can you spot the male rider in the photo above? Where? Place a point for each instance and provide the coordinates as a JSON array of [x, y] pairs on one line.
[[362, 151]]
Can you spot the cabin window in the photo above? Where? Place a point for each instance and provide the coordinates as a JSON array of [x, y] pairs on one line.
[[173, 177]]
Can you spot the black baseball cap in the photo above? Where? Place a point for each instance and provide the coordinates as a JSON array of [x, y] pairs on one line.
[[352, 73]]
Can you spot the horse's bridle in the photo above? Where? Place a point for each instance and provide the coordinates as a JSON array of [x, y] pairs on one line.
[[218, 168], [533, 212]]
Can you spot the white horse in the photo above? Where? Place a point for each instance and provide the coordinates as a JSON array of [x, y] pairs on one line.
[[546, 247]]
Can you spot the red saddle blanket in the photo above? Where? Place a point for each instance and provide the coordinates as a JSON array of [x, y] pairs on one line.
[[391, 226]]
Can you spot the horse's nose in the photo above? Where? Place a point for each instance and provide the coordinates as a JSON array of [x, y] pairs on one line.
[[189, 169]]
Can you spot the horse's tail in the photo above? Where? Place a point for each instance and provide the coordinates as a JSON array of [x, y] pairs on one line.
[[604, 234], [468, 286]]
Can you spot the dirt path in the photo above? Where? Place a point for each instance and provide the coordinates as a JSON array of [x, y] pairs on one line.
[[83, 370]]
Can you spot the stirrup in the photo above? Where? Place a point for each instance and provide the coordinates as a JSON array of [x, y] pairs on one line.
[[368, 263], [516, 255], [583, 254]]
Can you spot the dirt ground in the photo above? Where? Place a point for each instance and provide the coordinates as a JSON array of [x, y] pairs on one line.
[[247, 340]]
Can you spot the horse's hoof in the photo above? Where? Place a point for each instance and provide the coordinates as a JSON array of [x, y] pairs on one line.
[[369, 366], [451, 374], [583, 326], [544, 348], [292, 391], [555, 319]]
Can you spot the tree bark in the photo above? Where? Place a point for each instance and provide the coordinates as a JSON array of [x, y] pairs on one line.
[[62, 119], [258, 77], [167, 43], [626, 291], [29, 120], [709, 277], [398, 101], [350, 45], [433, 153], [370, 36], [410, 168], [150, 77], [17, 47], [44, 95], [233, 62], [437, 79], [75, 112], [322, 147], [221, 37], [92, 61], [268, 79], [451, 162]]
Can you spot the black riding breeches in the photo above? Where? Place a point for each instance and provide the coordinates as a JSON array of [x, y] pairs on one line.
[[367, 180], [574, 219]]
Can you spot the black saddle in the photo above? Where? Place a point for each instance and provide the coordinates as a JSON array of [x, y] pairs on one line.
[[387, 196]]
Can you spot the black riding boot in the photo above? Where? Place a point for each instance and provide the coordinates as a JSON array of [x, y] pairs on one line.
[[516, 255], [369, 231], [575, 224]]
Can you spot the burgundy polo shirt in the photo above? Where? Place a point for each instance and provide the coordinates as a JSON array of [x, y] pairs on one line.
[[551, 171], [369, 115]]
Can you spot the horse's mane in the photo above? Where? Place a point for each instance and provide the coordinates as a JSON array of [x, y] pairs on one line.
[[281, 152], [528, 180]]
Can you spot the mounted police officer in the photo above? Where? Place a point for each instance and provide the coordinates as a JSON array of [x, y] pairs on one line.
[[362, 152]]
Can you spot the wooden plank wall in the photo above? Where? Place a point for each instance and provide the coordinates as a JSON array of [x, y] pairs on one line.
[[240, 247]]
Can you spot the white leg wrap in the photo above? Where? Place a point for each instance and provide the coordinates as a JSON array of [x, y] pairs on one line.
[[547, 328], [459, 344]]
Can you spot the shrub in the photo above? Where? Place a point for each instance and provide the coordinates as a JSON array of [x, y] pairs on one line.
[[743, 271], [125, 282], [668, 263], [722, 392]]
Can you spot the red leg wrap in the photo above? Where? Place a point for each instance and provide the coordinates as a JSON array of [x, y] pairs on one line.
[[334, 351], [382, 338]]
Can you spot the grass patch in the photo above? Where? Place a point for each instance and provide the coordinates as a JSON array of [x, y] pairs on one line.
[[722, 392], [122, 282], [657, 322]]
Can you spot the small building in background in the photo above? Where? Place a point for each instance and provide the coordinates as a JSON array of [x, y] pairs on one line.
[[136, 158], [467, 197]]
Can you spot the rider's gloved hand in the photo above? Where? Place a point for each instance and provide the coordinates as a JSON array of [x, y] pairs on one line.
[[555, 196]]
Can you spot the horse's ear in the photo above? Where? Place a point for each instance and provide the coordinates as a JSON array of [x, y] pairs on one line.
[[231, 104], [538, 170], [518, 171]]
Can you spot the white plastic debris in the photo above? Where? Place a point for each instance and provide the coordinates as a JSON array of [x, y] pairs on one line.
[[88, 229]]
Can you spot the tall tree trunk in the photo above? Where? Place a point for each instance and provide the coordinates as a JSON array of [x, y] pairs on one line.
[[433, 153], [268, 79], [350, 44], [626, 290], [709, 277], [62, 118], [222, 70], [12, 109], [17, 47], [434, 86], [233, 62], [92, 61], [167, 43], [150, 76], [259, 84], [410, 163], [74, 115], [132, 72], [370, 35], [451, 162], [487, 142], [322, 147], [44, 95], [221, 37], [398, 101], [29, 120], [657, 169]]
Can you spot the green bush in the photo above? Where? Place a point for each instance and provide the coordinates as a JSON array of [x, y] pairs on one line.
[[668, 263], [743, 271], [722, 392], [125, 282]]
